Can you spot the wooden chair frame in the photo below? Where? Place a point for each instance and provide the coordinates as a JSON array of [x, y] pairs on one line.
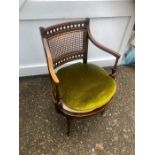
[[52, 64]]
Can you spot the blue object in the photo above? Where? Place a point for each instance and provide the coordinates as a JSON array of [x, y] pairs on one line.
[[130, 57]]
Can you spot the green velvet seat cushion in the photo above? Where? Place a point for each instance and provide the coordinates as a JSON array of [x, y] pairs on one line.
[[85, 87]]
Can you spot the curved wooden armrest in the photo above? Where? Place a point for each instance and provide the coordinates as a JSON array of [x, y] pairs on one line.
[[49, 61], [97, 44]]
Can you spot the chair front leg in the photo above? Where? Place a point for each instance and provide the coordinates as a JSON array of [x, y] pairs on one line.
[[113, 73], [68, 125]]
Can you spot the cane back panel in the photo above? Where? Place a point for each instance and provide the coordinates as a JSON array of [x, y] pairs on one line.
[[67, 42]]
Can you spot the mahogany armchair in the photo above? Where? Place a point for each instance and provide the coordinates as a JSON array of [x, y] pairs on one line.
[[81, 89]]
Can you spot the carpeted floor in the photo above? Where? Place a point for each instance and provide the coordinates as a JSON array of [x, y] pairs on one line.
[[42, 129]]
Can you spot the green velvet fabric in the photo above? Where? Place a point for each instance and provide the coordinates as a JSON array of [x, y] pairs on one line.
[[85, 87]]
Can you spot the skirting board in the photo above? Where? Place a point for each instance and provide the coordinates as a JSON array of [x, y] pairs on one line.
[[40, 69]]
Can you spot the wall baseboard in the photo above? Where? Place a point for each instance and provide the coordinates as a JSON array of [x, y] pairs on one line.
[[40, 69]]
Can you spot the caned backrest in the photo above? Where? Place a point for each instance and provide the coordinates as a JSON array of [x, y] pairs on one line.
[[67, 41]]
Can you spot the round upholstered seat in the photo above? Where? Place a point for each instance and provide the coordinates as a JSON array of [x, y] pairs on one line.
[[85, 87]]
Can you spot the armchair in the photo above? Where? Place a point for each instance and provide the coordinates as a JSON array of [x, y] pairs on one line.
[[81, 89]]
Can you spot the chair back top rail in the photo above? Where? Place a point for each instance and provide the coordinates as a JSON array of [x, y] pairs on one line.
[[64, 27]]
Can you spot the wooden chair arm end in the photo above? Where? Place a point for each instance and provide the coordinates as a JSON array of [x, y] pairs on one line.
[[54, 76]]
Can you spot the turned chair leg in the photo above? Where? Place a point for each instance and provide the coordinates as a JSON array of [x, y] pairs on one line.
[[68, 125]]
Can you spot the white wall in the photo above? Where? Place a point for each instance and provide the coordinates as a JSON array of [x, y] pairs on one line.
[[111, 23]]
